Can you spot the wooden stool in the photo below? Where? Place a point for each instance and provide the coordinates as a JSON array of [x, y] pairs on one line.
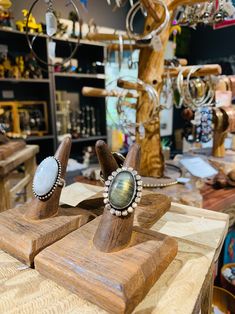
[[26, 157]]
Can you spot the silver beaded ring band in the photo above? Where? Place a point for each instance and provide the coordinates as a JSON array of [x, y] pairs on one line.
[[47, 178], [123, 191]]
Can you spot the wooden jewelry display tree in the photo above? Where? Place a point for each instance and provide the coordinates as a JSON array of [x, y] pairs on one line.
[[108, 261], [27, 229], [152, 72]]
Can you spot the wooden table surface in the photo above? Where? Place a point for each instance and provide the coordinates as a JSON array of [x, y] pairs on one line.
[[218, 199], [17, 159], [181, 289], [207, 197]]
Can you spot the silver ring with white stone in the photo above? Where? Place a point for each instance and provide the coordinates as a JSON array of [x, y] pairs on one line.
[[47, 178], [123, 191]]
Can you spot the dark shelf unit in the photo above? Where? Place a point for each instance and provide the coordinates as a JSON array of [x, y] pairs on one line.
[[89, 139], [45, 89]]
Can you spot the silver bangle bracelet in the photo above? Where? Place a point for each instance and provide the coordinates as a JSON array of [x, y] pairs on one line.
[[130, 20], [206, 99]]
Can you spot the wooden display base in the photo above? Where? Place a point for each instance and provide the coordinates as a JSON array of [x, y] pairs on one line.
[[24, 239], [116, 281], [227, 163]]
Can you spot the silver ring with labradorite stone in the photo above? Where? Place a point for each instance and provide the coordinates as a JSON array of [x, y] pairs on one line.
[[47, 178], [123, 191]]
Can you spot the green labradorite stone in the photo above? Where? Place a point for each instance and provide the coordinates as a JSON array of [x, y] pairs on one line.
[[122, 190]]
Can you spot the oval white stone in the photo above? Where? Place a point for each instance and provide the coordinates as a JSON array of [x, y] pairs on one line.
[[45, 176]]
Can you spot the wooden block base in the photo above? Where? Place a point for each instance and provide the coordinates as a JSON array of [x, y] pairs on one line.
[[116, 281], [24, 239], [227, 163]]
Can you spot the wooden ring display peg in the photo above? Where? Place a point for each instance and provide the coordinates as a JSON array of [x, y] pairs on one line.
[[221, 121], [109, 261], [29, 228]]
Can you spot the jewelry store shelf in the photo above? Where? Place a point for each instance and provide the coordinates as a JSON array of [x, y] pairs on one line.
[[44, 89], [39, 138], [13, 80], [89, 139], [81, 76], [70, 40]]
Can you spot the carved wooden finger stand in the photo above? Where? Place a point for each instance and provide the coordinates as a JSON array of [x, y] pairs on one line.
[[108, 261], [221, 122], [26, 230]]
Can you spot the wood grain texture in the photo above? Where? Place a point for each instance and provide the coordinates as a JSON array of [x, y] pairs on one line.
[[217, 200], [100, 92], [3, 138], [10, 148], [105, 37], [114, 233], [218, 149], [24, 239], [226, 163], [151, 208], [208, 69], [178, 291], [6, 166], [42, 209], [151, 69], [221, 124], [24, 291], [26, 157], [130, 85], [117, 281]]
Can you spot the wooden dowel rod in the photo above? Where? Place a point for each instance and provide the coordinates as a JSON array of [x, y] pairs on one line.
[[116, 47], [209, 69], [183, 62], [105, 37], [99, 92], [129, 85]]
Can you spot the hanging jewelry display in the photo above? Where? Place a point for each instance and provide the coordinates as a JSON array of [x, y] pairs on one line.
[[203, 90], [145, 38], [202, 13], [122, 102], [203, 124], [51, 29]]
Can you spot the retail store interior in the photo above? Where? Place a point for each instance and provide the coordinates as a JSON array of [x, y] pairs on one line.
[[117, 156]]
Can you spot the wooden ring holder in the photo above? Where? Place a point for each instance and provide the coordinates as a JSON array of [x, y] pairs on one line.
[[108, 261], [28, 229], [221, 120]]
